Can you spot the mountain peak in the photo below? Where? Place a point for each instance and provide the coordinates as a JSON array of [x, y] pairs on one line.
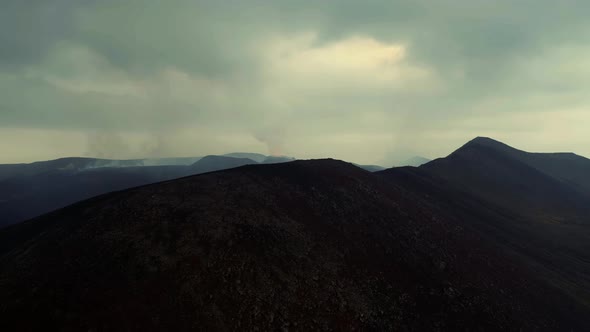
[[487, 142], [482, 140]]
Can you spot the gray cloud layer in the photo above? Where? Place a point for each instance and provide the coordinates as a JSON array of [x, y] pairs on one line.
[[359, 80]]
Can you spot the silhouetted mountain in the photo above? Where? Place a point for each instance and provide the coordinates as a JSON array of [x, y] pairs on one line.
[[45, 186], [567, 167], [531, 184], [518, 198], [306, 245], [24, 197], [558, 253], [216, 163], [79, 163], [11, 170]]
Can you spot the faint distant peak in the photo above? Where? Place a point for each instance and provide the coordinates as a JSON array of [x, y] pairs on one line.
[[371, 168], [257, 157], [414, 161]]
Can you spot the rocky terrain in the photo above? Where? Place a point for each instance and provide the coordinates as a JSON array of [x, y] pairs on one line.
[[305, 245]]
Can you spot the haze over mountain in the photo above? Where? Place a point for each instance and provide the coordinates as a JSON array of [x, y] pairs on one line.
[[216, 163], [318, 244], [355, 80], [257, 157], [80, 164], [146, 183], [414, 161], [28, 190], [371, 168]]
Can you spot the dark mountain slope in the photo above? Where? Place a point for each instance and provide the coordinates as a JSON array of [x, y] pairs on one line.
[[70, 180], [566, 167], [491, 171], [305, 245], [24, 197], [521, 199], [558, 253]]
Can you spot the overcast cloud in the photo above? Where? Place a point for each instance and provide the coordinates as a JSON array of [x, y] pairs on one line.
[[365, 81]]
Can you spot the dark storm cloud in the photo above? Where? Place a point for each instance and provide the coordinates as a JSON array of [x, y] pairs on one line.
[[28, 28]]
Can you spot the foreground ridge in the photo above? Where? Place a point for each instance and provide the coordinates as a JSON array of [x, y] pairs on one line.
[[318, 244]]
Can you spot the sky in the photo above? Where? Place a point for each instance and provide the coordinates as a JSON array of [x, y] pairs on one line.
[[365, 81]]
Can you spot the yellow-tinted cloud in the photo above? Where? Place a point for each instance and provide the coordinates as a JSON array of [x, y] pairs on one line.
[[300, 62]]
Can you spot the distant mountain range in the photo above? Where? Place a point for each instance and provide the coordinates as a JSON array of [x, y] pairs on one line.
[[488, 238], [79, 164], [28, 190], [415, 161], [371, 168]]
